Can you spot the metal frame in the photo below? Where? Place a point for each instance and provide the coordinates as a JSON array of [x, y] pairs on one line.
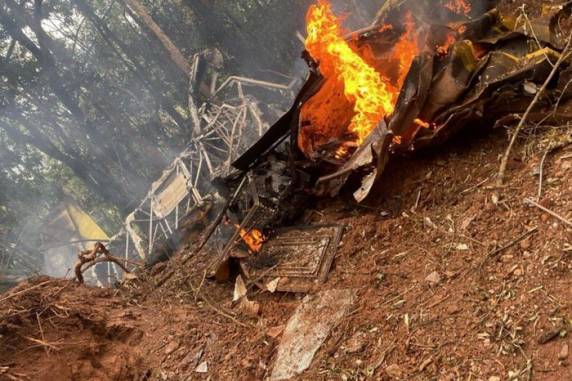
[[221, 134]]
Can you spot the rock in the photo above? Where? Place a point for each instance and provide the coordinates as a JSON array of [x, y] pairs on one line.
[[434, 278], [192, 359], [494, 378], [525, 245], [356, 343], [394, 371], [273, 285], [462, 247], [249, 308], [564, 352], [202, 368], [275, 332], [171, 347], [239, 289]]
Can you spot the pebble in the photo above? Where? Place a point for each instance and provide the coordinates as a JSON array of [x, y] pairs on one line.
[[202, 368], [356, 343], [434, 278], [171, 347], [564, 352], [393, 371]]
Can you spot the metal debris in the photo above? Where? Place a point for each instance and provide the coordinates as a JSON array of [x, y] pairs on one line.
[[295, 259], [307, 330]]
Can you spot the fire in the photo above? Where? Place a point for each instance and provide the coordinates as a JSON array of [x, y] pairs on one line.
[[459, 6], [254, 239], [422, 123], [406, 48], [373, 95], [449, 41]]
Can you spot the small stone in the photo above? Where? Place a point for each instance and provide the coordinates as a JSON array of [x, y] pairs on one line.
[[393, 371], [494, 378], [356, 343], [564, 352], [434, 278], [275, 332], [525, 245], [202, 368], [171, 347], [462, 247]]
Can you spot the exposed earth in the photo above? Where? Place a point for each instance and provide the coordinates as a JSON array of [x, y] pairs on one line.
[[454, 280]]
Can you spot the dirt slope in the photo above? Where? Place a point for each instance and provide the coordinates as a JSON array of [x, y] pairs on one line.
[[436, 298]]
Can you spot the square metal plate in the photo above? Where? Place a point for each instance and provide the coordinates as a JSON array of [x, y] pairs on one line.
[[300, 256]]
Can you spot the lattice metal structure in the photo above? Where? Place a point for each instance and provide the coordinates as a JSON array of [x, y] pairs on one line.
[[221, 133]]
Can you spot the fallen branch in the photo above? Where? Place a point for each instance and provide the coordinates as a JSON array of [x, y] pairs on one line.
[[90, 258], [504, 162], [541, 174], [515, 241], [546, 210]]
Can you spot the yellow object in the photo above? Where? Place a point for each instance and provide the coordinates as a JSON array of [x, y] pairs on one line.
[[86, 227]]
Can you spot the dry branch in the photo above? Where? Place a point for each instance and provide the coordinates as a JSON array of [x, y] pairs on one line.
[[90, 258], [563, 57], [515, 241], [552, 213], [26, 290]]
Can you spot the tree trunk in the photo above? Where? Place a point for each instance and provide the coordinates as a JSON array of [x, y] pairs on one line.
[[132, 62], [169, 46]]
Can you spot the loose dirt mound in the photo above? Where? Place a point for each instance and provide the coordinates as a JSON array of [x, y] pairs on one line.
[[57, 330]]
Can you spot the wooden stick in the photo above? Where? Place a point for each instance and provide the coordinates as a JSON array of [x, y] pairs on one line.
[[541, 174], [496, 252], [563, 57], [552, 213]]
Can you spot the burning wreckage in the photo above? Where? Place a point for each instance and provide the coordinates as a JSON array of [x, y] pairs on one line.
[[418, 75]]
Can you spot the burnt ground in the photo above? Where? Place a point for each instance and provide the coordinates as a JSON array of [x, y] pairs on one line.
[[437, 298]]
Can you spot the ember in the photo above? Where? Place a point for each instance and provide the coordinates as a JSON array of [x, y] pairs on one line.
[[421, 123], [450, 39], [459, 6], [254, 239]]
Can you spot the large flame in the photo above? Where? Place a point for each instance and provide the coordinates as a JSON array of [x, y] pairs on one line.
[[406, 48], [360, 87], [373, 96]]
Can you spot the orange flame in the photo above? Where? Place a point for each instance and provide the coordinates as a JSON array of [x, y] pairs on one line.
[[421, 123], [406, 48], [373, 96], [449, 41], [459, 6], [254, 239]]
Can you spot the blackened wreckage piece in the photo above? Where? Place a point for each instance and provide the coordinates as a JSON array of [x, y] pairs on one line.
[[474, 73], [489, 71], [442, 72]]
